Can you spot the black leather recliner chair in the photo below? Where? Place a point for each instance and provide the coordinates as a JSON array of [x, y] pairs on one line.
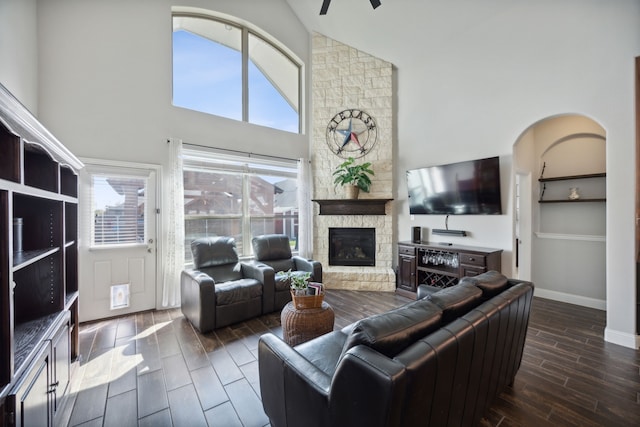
[[274, 251], [220, 290]]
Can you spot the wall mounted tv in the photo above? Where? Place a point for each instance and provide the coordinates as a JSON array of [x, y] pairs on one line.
[[464, 188]]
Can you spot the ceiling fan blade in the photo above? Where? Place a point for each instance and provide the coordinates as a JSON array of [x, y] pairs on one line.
[[325, 7]]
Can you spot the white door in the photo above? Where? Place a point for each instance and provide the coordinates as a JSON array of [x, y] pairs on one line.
[[117, 251]]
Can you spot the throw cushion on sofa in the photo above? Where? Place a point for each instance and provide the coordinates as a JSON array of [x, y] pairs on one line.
[[391, 332], [491, 283], [456, 300]]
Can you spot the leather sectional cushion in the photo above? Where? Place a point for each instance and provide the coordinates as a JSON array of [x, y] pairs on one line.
[[213, 251], [279, 265], [491, 283], [271, 246], [324, 351], [237, 290], [456, 300], [223, 273], [392, 332]]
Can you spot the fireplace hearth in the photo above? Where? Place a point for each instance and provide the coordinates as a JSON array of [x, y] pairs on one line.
[[352, 246]]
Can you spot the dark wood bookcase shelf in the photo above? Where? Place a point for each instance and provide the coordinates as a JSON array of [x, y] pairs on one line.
[[570, 177], [39, 266], [577, 178]]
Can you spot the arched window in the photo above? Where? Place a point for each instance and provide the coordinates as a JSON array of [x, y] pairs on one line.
[[224, 68]]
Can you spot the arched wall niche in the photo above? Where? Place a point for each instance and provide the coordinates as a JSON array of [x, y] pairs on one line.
[[574, 154], [561, 242]]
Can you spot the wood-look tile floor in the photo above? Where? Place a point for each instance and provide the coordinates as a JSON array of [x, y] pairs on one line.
[[153, 369]]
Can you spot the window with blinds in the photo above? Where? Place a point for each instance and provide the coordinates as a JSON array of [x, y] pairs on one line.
[[239, 197], [118, 209]]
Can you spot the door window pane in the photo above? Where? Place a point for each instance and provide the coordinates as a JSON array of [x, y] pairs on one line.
[[118, 209]]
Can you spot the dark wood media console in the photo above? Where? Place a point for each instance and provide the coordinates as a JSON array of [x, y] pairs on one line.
[[441, 264]]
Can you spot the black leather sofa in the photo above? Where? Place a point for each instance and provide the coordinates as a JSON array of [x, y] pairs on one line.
[[437, 361], [221, 290]]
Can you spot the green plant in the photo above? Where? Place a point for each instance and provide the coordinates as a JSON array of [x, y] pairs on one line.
[[352, 174], [296, 280]]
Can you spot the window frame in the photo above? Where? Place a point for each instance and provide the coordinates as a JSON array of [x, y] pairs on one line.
[[247, 29]]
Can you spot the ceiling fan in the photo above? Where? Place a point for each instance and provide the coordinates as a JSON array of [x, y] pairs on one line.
[[325, 5]]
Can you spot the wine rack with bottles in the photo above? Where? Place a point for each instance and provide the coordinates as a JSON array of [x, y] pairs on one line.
[[441, 265]]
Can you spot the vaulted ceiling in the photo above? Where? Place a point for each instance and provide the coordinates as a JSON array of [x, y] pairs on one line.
[[401, 28]]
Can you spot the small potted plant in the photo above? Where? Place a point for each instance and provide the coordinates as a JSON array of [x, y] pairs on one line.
[[353, 177], [299, 282], [301, 294]]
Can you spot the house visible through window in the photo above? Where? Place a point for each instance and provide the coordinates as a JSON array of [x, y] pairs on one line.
[[238, 197], [118, 210], [226, 69]]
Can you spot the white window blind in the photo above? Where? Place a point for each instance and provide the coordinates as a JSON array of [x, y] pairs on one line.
[[118, 207]]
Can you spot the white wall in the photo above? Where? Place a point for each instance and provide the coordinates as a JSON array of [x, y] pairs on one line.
[[472, 76], [106, 81], [19, 51]]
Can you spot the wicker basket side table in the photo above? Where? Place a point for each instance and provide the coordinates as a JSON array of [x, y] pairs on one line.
[[299, 326]]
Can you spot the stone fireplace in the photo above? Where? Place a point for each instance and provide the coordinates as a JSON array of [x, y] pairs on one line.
[[344, 77], [352, 246]]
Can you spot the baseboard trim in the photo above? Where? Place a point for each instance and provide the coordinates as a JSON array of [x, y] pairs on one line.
[[571, 299], [622, 338]]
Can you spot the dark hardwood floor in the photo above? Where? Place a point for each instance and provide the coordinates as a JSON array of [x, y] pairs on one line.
[[153, 369]]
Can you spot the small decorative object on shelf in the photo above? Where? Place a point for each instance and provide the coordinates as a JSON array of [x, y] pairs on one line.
[[353, 177], [573, 193], [17, 235]]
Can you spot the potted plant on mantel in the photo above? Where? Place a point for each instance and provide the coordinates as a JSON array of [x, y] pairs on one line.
[[353, 177], [303, 294]]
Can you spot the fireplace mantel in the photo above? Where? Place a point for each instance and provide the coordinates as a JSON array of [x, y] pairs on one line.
[[352, 206]]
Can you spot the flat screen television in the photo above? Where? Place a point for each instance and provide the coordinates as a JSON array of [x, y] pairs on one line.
[[464, 188]]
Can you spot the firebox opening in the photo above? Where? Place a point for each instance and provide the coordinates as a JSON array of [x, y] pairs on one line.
[[352, 246]]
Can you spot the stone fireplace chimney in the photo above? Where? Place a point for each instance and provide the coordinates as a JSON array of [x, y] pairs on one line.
[[346, 78]]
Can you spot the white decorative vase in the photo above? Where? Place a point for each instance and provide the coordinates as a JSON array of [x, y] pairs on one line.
[[573, 193]]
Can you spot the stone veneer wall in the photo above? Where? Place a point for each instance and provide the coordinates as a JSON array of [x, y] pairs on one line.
[[343, 78]]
